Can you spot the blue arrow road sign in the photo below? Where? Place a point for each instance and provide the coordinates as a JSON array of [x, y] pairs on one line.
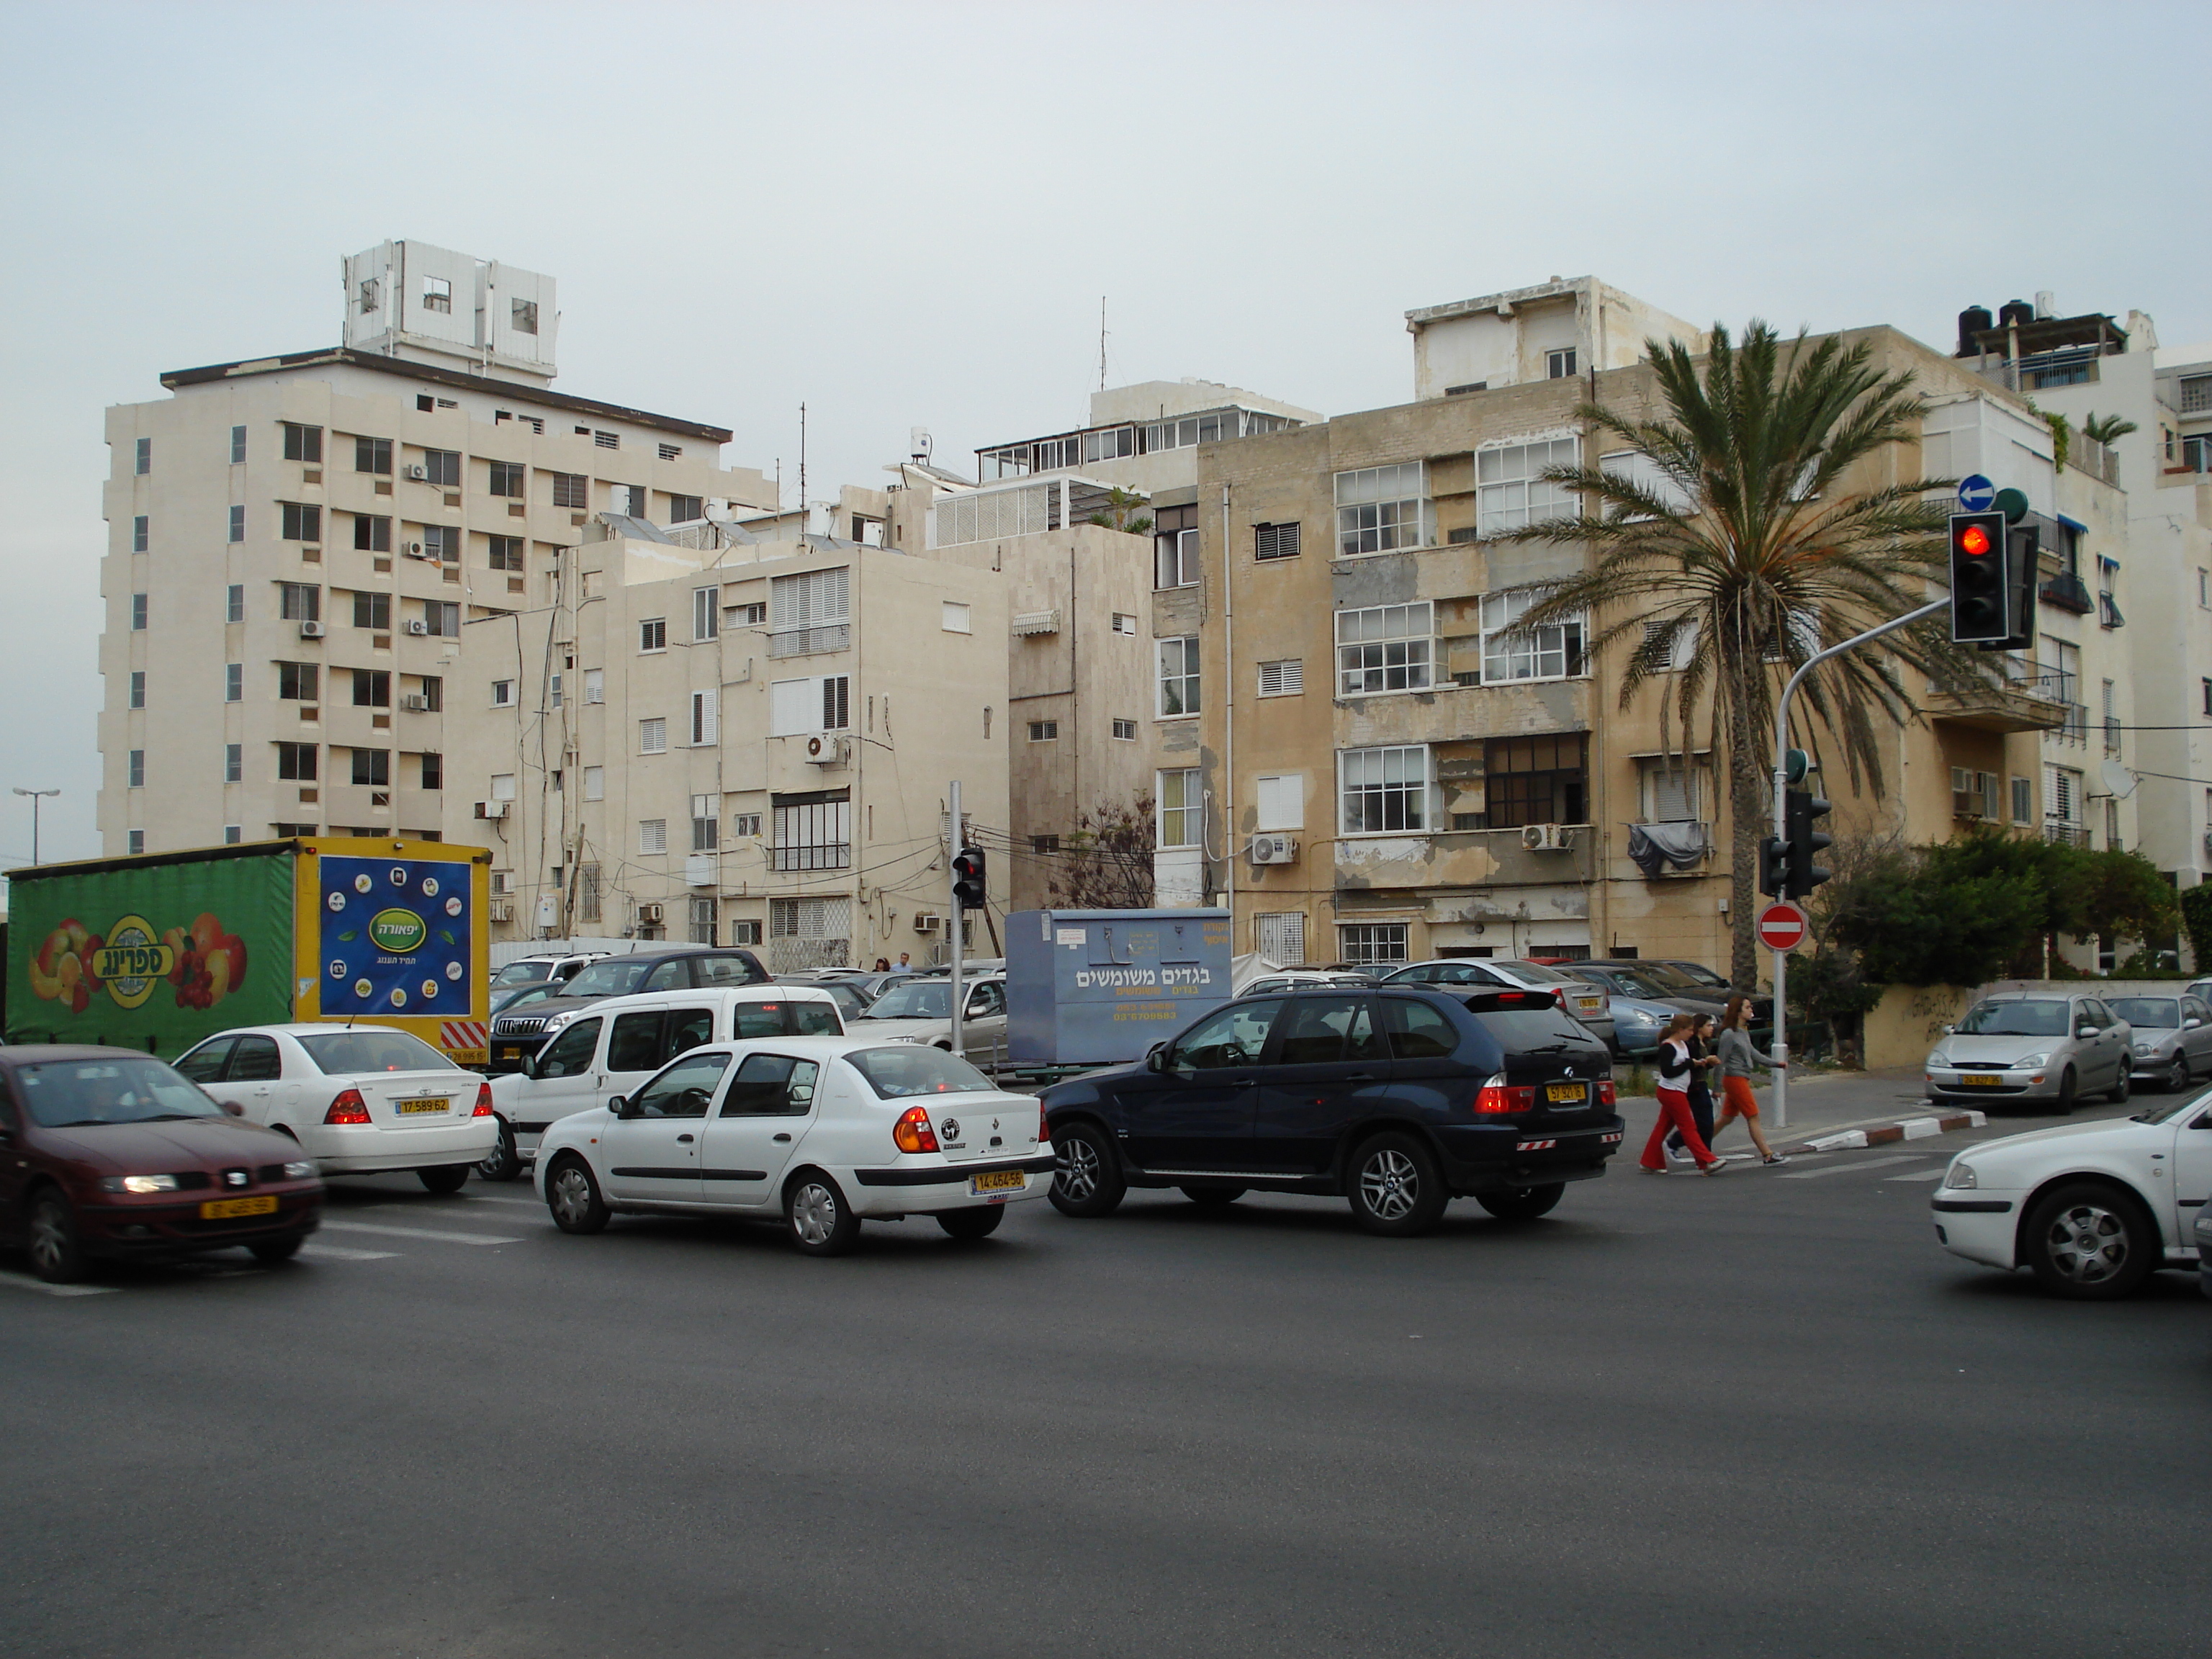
[[1975, 492]]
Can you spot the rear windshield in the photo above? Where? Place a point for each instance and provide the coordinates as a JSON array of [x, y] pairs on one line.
[[521, 972], [62, 1094], [2161, 1012], [928, 999], [337, 1054], [618, 977], [1536, 974], [2015, 1019], [912, 1068], [1532, 1031]]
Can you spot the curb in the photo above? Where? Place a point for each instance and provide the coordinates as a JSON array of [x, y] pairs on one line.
[[1910, 1129]]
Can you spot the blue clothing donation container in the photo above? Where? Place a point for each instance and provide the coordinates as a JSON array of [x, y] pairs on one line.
[[1093, 987]]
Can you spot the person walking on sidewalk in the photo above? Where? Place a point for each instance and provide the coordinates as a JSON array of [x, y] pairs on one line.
[[1738, 1055], [1675, 1071], [1703, 1060]]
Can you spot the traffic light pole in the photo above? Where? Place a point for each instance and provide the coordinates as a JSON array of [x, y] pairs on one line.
[[1781, 1041], [955, 917]]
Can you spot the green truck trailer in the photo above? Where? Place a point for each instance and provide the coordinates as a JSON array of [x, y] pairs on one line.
[[158, 951]]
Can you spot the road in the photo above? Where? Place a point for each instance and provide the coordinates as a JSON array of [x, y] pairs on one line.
[[1763, 1415]]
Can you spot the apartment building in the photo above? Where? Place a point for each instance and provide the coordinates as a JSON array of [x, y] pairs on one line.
[[731, 735], [296, 541], [1552, 331]]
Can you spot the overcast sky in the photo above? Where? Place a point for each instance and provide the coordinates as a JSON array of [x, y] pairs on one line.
[[908, 215]]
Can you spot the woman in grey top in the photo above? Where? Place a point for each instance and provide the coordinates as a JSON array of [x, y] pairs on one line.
[[1738, 1056]]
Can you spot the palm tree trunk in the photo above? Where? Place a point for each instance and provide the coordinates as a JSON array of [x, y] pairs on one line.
[[1749, 809]]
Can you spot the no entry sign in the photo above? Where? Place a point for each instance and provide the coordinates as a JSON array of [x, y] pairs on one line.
[[1782, 927]]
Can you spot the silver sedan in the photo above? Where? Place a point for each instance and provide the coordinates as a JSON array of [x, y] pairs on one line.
[[2173, 1040], [2042, 1047]]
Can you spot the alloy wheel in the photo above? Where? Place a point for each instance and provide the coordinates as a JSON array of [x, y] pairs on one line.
[[2087, 1243], [48, 1240], [1077, 1170], [1389, 1184], [814, 1213]]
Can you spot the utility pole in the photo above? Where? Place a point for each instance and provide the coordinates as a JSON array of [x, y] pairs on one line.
[[36, 795], [953, 914]]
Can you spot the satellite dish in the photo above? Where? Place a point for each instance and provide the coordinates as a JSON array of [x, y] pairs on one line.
[[2118, 780]]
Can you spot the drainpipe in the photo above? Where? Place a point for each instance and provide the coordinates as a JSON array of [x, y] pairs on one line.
[[1228, 719]]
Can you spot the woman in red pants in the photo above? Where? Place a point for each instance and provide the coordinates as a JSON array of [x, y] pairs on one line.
[[1675, 1067]]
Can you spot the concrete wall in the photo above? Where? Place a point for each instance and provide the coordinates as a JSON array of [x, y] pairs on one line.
[[1909, 1021]]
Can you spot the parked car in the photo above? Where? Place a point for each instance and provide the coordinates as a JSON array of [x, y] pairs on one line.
[[919, 1010], [1578, 996], [522, 1030], [113, 1153], [613, 1045], [358, 1099], [1618, 980], [2091, 1209], [2172, 1037], [1307, 979], [1637, 1025], [2038, 1047], [538, 971], [851, 997], [1398, 1100], [1675, 981], [823, 1132], [1695, 972]]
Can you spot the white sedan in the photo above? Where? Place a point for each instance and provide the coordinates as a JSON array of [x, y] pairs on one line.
[[822, 1132], [359, 1099], [2093, 1209]]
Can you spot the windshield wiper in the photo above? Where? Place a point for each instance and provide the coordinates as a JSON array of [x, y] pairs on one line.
[[173, 1117]]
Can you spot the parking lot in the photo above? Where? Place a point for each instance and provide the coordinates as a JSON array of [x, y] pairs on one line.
[[1761, 1414]]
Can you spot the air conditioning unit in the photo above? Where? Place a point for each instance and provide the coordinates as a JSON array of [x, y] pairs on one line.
[[649, 915], [311, 630], [418, 473], [1547, 838], [418, 627], [500, 910], [829, 751], [412, 549], [493, 809], [926, 922], [416, 701], [1274, 849]]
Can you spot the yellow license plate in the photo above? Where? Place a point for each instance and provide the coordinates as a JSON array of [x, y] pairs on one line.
[[1563, 1091], [997, 1180], [410, 1108], [1588, 1004], [229, 1209], [1982, 1080]]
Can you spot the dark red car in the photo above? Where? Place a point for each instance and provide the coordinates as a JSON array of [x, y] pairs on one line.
[[110, 1153]]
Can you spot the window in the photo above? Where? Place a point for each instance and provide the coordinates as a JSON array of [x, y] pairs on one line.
[[1633, 467], [955, 619], [672, 452], [2207, 688], [1124, 622], [302, 443], [1280, 936], [522, 314], [745, 824], [1510, 493], [1551, 652], [503, 786], [814, 831], [299, 601], [145, 463], [1126, 730], [652, 635], [595, 783], [233, 762], [1533, 781], [1383, 791], [141, 534], [502, 694], [433, 692], [371, 534], [437, 295], [233, 603], [1672, 793], [507, 479], [1279, 801], [1286, 678], [373, 610], [2023, 800], [1367, 943], [1043, 730], [137, 842], [135, 769], [371, 766], [442, 617], [233, 684], [705, 714], [1559, 365], [372, 455], [233, 834], [706, 824], [441, 543], [1275, 541], [570, 490], [1174, 542], [595, 685], [703, 921], [1386, 648], [442, 467], [837, 701], [1044, 846], [1182, 809], [1178, 660], [810, 613], [372, 688], [237, 523], [302, 521], [237, 446], [747, 616], [296, 761], [1380, 508], [137, 613], [506, 553], [299, 682], [685, 509], [652, 835], [607, 440], [705, 613], [653, 737]]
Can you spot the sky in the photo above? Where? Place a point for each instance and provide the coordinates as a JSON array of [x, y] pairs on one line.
[[906, 216]]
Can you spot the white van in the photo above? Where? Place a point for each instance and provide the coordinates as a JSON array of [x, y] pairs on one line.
[[612, 1045]]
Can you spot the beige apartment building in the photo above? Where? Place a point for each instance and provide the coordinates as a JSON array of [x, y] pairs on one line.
[[296, 542], [731, 735]]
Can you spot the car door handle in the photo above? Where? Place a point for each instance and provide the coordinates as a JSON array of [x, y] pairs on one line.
[[684, 1140], [783, 1137]]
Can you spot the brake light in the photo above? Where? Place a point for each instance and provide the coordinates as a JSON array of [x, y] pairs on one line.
[[483, 1101], [348, 1107], [1497, 1096], [1044, 1129], [913, 1132], [1560, 997], [1605, 1095]]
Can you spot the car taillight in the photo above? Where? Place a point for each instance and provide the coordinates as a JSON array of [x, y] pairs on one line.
[[1560, 997], [348, 1107], [1044, 1129], [913, 1132], [1498, 1096], [1605, 1094], [483, 1101]]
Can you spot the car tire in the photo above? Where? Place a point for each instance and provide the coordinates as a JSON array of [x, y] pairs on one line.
[[571, 1195], [1086, 1176], [978, 1221], [2067, 1085], [1396, 1189], [2118, 1096], [445, 1178], [2177, 1079], [504, 1162], [1212, 1198], [273, 1252], [1522, 1203], [56, 1252], [821, 1222], [2087, 1242]]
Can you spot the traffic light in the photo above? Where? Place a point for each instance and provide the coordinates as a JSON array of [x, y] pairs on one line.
[[1800, 874], [968, 882], [1983, 599], [1774, 867]]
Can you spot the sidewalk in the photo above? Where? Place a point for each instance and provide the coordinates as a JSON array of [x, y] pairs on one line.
[[1830, 1110]]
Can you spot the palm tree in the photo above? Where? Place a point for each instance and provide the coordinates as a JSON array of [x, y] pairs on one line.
[[2108, 429], [1728, 551]]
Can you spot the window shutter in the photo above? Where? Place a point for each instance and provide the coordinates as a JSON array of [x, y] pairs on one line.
[[1282, 679], [704, 713]]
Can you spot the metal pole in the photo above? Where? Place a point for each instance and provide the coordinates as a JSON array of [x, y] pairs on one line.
[[35, 795], [1781, 1040], [954, 916]]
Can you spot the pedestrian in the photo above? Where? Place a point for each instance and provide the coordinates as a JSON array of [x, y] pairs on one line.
[[1738, 1055], [883, 965], [905, 966], [1703, 1060], [1675, 1071]]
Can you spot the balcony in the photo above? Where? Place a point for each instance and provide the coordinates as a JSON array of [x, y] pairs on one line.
[[2066, 834], [2068, 592], [2034, 703]]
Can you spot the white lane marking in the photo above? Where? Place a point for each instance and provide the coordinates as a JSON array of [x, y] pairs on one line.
[[1833, 1169], [1920, 1175], [25, 1282], [339, 1253], [415, 1232]]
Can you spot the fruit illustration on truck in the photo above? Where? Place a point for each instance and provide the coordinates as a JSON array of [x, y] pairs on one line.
[[158, 951]]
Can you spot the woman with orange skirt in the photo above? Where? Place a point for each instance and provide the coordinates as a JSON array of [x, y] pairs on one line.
[[1738, 1055]]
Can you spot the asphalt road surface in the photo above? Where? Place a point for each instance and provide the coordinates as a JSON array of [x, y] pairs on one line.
[[1751, 1415]]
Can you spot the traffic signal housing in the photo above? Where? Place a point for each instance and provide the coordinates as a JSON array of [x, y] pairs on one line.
[[1801, 809], [967, 878], [1983, 599], [1774, 867]]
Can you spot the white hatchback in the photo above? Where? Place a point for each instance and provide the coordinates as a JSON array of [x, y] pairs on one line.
[[823, 1131], [359, 1099]]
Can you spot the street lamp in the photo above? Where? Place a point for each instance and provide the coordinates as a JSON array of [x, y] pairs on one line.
[[35, 794]]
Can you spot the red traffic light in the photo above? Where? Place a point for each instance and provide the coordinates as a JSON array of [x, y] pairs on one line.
[[1975, 540]]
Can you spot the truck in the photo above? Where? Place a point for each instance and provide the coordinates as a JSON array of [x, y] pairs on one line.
[[160, 951], [1098, 988]]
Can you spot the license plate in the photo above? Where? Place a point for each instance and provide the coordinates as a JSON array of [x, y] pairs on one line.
[[228, 1209], [1982, 1080], [996, 1181], [1588, 1005], [509, 1051], [1558, 1091], [415, 1107]]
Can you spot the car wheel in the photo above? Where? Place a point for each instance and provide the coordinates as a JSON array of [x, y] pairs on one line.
[[57, 1254], [1397, 1190], [1522, 1203], [573, 1196], [2176, 1076], [2066, 1086], [821, 1223], [978, 1222], [1086, 1176], [1212, 1198], [2120, 1095], [272, 1251], [504, 1162], [446, 1177], [2088, 1242]]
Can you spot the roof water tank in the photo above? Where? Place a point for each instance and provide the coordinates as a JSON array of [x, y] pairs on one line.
[[1973, 321], [2015, 312]]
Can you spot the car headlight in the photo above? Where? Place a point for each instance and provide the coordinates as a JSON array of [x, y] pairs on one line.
[[555, 1023], [153, 1183], [1937, 1057], [1962, 1178], [2145, 1047], [299, 1170], [2031, 1061]]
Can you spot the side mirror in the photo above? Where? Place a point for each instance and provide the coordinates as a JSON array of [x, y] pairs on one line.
[[618, 1106], [2190, 1024], [2086, 1031], [231, 1108], [1950, 1030], [1156, 1057]]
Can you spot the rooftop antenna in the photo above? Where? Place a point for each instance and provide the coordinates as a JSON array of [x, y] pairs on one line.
[[1102, 343], [802, 467]]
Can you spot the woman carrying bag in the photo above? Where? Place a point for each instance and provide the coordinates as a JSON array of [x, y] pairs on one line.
[[1738, 1055], [1676, 1068]]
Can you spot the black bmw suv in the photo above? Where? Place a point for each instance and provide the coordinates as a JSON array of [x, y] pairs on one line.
[[518, 1034], [1396, 1099]]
